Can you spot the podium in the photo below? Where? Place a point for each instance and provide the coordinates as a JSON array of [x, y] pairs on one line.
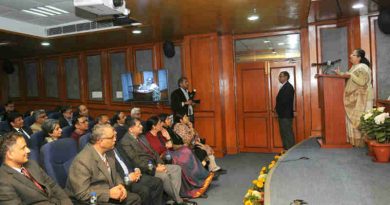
[[331, 101]]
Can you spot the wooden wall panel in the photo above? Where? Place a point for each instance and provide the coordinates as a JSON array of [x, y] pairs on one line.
[[228, 94], [202, 68], [205, 130], [256, 133]]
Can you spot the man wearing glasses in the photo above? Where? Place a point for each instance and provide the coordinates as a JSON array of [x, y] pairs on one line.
[[94, 170]]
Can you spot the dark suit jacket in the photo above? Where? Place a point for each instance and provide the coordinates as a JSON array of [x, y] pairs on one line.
[[177, 97], [132, 150], [285, 101], [88, 173], [63, 122], [29, 132], [16, 188]]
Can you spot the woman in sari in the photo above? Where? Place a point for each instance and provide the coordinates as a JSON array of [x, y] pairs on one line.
[[190, 137], [195, 179], [358, 95]]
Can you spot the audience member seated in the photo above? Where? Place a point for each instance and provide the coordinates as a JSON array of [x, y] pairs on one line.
[[83, 111], [52, 130], [195, 177], [80, 124], [8, 108], [94, 170], [66, 116], [186, 131], [15, 121], [177, 141], [39, 116], [23, 181], [149, 188], [102, 119], [136, 113], [136, 148], [118, 121]]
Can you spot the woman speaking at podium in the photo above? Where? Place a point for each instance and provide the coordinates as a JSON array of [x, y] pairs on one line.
[[358, 94]]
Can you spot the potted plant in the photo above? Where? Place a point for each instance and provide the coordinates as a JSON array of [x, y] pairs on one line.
[[367, 123], [381, 130]]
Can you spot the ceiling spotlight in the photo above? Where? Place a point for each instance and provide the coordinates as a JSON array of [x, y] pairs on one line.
[[266, 41], [136, 31], [45, 43], [136, 24], [273, 51], [254, 16], [358, 6], [281, 44]]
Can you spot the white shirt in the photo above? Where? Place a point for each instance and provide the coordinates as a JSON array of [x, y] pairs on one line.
[[190, 109]]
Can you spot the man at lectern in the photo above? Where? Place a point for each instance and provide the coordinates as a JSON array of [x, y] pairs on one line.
[[285, 110]]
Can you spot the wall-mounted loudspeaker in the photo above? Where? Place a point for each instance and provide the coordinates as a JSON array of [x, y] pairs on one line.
[[8, 67], [169, 49], [384, 21]]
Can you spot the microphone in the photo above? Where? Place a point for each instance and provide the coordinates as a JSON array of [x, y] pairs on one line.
[[327, 63], [192, 94]]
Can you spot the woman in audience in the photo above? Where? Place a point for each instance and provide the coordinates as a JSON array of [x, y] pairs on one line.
[[195, 179], [190, 137], [177, 141], [52, 130]]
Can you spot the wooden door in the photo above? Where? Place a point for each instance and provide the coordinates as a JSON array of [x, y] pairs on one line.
[[253, 107], [257, 88]]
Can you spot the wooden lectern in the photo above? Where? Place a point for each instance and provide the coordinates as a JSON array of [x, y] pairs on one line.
[[331, 101]]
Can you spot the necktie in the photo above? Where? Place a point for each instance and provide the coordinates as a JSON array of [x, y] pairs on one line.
[[24, 133], [28, 175], [107, 164]]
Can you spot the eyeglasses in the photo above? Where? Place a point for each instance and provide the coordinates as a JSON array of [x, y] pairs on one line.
[[109, 138]]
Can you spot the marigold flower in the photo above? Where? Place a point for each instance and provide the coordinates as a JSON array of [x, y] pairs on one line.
[[277, 157], [254, 181], [248, 202], [270, 166], [263, 169]]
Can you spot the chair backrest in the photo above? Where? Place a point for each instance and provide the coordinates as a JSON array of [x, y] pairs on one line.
[[57, 157], [4, 127], [54, 115], [120, 132], [84, 140], [36, 141], [67, 131], [28, 121]]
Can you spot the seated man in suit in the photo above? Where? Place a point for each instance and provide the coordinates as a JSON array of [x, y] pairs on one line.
[[102, 119], [23, 181], [8, 108], [94, 170], [136, 148], [39, 116], [149, 188], [66, 116], [15, 121]]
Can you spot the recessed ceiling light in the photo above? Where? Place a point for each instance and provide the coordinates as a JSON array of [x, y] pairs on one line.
[[281, 44], [274, 52], [45, 43], [253, 17], [35, 13], [4, 43], [136, 31], [358, 6], [136, 24], [267, 41]]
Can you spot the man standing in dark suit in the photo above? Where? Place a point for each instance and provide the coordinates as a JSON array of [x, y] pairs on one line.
[[285, 110], [182, 100], [16, 123], [22, 181]]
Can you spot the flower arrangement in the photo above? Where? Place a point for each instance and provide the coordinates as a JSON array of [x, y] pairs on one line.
[[375, 123], [255, 194]]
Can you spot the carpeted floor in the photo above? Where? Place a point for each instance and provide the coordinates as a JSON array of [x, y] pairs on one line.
[[330, 176], [230, 188]]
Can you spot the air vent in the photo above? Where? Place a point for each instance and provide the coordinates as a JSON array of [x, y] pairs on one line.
[[81, 27], [69, 29]]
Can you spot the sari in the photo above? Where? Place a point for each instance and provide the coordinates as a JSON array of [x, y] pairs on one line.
[[195, 178]]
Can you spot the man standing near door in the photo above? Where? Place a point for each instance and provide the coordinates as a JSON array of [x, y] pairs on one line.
[[284, 109]]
